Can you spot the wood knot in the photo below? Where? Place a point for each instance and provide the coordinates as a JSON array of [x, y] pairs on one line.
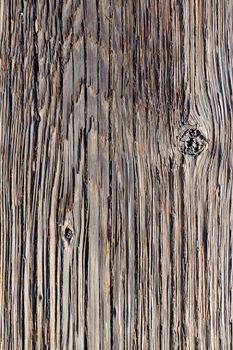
[[191, 141], [68, 234]]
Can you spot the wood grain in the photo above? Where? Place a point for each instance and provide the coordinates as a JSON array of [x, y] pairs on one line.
[[116, 174]]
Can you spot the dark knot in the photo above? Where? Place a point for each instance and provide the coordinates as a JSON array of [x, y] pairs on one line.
[[68, 234], [191, 141]]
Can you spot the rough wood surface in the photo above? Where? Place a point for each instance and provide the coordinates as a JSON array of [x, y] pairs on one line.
[[116, 174]]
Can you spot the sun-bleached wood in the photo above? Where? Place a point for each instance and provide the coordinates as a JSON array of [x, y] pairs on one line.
[[116, 174]]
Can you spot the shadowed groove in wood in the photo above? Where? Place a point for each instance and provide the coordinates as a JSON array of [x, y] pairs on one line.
[[115, 221]]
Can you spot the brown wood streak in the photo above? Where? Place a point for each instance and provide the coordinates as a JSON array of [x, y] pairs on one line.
[[110, 237]]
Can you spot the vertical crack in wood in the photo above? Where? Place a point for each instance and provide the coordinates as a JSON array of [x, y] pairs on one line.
[[85, 185], [59, 216], [110, 227], [172, 256], [34, 191], [135, 83], [183, 257]]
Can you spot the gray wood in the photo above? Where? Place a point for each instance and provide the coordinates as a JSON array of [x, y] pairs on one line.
[[116, 174]]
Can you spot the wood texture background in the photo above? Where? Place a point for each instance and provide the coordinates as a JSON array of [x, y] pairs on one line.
[[110, 237]]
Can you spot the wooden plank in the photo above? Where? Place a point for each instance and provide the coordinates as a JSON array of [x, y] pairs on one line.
[[116, 174]]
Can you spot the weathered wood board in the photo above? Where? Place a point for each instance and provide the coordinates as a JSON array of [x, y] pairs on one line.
[[116, 174]]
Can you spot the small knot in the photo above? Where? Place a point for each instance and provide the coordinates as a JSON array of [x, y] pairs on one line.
[[68, 234], [191, 141]]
